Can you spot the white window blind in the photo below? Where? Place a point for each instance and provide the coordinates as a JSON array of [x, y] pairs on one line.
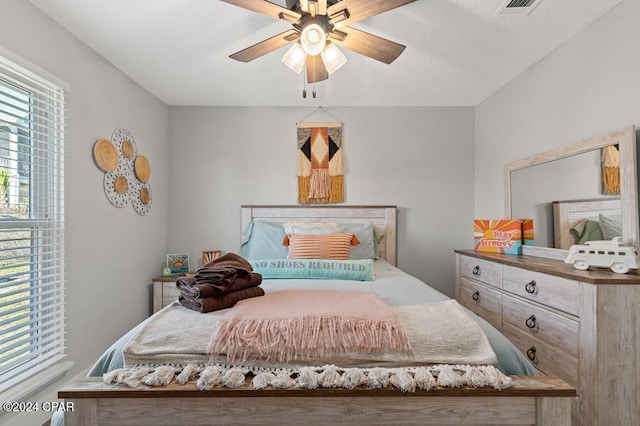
[[31, 224]]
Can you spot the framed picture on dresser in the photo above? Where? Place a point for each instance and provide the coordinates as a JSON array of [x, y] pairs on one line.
[[178, 263], [210, 255]]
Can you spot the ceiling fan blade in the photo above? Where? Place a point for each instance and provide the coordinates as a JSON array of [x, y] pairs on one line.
[[266, 8], [322, 7], [369, 45], [265, 46], [316, 70], [357, 10]]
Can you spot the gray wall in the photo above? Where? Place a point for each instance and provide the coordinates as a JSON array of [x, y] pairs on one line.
[[112, 253], [587, 87], [420, 159]]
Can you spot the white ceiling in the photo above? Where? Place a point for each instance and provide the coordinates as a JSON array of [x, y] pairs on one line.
[[458, 53]]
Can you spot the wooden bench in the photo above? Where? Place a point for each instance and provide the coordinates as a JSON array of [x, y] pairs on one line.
[[532, 400]]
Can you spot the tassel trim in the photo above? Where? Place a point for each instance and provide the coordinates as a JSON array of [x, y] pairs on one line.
[[336, 191], [407, 379]]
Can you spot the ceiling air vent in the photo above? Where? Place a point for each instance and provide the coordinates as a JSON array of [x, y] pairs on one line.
[[522, 7]]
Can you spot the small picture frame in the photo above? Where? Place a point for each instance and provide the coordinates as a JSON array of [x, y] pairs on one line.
[[178, 263], [210, 255]]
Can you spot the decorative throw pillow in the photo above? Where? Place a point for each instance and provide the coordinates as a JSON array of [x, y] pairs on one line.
[[611, 226], [365, 232], [327, 269], [586, 230], [322, 246], [263, 240]]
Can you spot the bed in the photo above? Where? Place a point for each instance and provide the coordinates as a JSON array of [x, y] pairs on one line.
[[529, 399], [578, 221]]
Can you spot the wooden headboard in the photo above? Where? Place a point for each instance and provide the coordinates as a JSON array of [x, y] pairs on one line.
[[567, 213], [383, 219]]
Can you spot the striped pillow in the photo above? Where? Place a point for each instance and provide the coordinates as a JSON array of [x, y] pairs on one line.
[[323, 246]]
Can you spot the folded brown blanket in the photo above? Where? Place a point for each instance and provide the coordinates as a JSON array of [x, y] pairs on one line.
[[209, 304], [226, 274], [190, 287], [226, 261]]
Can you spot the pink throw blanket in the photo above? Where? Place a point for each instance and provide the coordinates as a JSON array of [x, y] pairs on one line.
[[305, 324]]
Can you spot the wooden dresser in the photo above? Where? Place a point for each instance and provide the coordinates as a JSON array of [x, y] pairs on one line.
[[582, 326]]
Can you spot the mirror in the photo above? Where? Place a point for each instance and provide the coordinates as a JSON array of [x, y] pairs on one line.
[[574, 172]]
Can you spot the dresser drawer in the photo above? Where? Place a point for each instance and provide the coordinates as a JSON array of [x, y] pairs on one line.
[[556, 292], [483, 300], [552, 328], [481, 270], [545, 357]]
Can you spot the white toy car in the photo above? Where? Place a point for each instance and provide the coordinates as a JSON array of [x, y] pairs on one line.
[[605, 254]]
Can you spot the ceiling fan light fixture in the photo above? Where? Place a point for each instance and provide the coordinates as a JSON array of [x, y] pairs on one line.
[[333, 58], [294, 58], [313, 39], [316, 25]]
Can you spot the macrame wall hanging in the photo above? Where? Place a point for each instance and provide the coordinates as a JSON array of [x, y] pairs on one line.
[[320, 164], [611, 170]]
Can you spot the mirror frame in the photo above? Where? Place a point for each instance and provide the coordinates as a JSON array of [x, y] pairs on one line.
[[626, 138]]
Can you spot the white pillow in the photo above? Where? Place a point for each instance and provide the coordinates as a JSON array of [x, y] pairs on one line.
[[300, 226]]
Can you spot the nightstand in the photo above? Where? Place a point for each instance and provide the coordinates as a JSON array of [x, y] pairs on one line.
[[164, 291]]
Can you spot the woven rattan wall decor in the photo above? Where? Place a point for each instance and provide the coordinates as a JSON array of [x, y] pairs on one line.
[[126, 173]]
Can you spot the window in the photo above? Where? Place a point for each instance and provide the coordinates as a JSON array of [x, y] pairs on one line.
[[31, 224]]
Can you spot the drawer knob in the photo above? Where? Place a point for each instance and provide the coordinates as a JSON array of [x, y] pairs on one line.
[[531, 322], [531, 354], [476, 270], [531, 287], [476, 296]]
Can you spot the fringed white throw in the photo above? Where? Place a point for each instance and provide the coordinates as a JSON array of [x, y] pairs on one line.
[[307, 324], [446, 345], [439, 333]]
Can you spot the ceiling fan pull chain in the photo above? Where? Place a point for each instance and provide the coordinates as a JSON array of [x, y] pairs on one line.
[[304, 84]]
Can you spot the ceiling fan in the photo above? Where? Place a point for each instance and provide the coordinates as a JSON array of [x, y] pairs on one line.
[[319, 26]]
